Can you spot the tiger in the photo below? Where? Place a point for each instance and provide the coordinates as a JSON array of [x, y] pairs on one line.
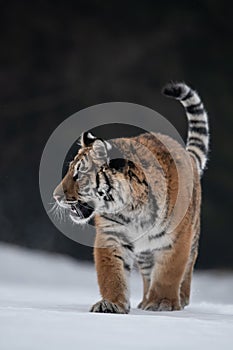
[[132, 199]]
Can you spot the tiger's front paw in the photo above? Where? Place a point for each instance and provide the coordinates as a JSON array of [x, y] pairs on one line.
[[105, 306], [162, 305]]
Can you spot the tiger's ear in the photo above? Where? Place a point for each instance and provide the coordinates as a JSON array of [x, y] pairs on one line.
[[100, 148], [87, 139]]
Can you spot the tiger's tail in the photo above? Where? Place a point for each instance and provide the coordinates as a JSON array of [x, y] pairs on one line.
[[198, 129]]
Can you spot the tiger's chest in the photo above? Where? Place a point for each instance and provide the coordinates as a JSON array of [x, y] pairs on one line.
[[141, 233], [148, 238]]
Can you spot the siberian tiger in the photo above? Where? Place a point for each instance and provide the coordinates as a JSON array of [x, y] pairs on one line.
[[132, 199]]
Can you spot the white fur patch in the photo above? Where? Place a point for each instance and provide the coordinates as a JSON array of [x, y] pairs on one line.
[[91, 136]]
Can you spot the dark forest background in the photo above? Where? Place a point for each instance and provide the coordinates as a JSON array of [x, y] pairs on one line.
[[59, 57]]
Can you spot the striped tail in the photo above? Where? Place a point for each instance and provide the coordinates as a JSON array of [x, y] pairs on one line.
[[198, 130]]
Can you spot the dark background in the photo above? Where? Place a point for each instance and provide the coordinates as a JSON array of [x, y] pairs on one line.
[[59, 57]]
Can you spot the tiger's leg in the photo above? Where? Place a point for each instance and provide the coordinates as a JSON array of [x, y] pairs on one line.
[[145, 262], [186, 283], [170, 265], [113, 263]]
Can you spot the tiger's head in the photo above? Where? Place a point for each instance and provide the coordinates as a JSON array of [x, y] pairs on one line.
[[96, 184]]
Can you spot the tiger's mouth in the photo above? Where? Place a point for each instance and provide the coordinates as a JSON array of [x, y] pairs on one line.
[[81, 211]]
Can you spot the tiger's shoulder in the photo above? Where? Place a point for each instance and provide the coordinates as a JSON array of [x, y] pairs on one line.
[[157, 151]]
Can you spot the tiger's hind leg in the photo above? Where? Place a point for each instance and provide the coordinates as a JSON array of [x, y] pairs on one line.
[[186, 283], [113, 262]]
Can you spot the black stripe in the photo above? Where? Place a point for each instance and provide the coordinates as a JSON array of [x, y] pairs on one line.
[[200, 130], [195, 139], [128, 246], [202, 122], [195, 109], [108, 198], [167, 247], [147, 267], [123, 218], [146, 252], [158, 235], [133, 175], [147, 264], [197, 157], [146, 274], [198, 111], [113, 220], [119, 235], [97, 181], [118, 257], [189, 95], [107, 181], [140, 261], [126, 266], [201, 146], [145, 260]]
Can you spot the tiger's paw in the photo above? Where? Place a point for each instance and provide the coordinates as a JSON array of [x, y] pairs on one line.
[[105, 306], [184, 300], [141, 304], [163, 305]]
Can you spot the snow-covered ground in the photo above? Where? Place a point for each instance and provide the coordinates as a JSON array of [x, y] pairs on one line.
[[44, 302]]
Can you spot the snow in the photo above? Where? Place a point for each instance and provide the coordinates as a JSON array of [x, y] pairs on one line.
[[44, 302]]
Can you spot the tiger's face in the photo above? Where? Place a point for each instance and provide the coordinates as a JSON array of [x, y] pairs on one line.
[[93, 183]]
